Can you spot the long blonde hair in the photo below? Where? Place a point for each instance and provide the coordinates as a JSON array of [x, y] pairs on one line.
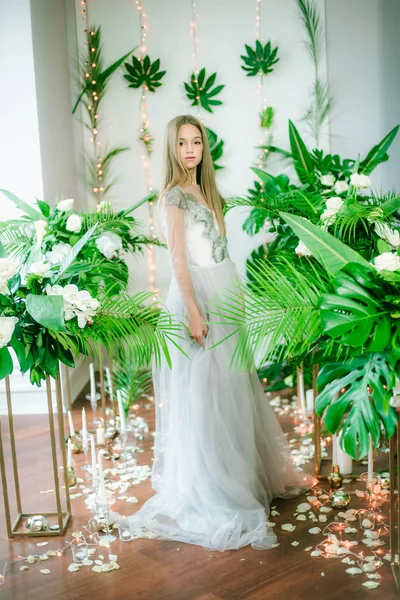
[[176, 173]]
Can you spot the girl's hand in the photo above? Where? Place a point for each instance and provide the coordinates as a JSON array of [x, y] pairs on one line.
[[197, 327]]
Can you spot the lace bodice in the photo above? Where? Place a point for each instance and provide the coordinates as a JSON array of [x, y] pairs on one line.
[[204, 243]]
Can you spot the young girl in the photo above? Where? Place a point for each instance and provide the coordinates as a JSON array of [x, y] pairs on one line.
[[220, 454]]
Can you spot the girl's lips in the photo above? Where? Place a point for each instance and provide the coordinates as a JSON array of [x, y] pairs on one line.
[[189, 157]]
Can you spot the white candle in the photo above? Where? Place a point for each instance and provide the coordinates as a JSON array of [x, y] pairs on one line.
[[345, 461], [310, 401], [71, 424], [92, 381], [300, 388], [121, 412], [69, 453], [101, 494], [109, 383], [94, 465], [334, 450], [100, 436], [84, 429], [370, 459]]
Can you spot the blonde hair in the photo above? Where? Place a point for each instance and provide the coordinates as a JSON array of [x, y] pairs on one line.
[[176, 173]]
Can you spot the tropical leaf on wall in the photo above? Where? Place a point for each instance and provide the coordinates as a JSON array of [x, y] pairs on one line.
[[216, 147], [142, 72], [267, 116], [259, 60], [200, 91]]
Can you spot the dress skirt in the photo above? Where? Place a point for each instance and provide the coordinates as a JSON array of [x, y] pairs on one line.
[[220, 455]]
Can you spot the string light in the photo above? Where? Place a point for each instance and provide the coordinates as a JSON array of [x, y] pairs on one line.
[[260, 88], [145, 137], [195, 55]]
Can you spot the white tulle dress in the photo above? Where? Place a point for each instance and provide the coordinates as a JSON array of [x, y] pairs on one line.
[[220, 455]]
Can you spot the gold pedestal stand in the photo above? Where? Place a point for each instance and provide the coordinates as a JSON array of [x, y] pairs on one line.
[[15, 529], [394, 469]]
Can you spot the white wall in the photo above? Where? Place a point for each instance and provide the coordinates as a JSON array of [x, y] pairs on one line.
[[363, 49]]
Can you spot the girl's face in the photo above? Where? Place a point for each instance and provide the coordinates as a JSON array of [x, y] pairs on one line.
[[190, 145]]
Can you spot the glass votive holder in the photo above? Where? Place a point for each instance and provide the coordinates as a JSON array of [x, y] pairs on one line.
[[367, 519], [125, 534], [80, 551]]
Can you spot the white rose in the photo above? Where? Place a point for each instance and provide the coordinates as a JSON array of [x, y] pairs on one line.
[[391, 236], [65, 205], [4, 287], [360, 181], [7, 268], [302, 250], [109, 244], [333, 205], [327, 180], [388, 261], [39, 268], [40, 227], [7, 326], [58, 252], [104, 206], [74, 223], [341, 186]]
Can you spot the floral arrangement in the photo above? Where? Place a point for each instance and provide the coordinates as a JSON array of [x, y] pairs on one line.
[[324, 289], [63, 292]]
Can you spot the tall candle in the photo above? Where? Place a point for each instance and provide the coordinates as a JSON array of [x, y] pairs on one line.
[[93, 450], [69, 453], [370, 459], [310, 401], [300, 391], [92, 381], [121, 412], [101, 494], [100, 436], [71, 424], [84, 429], [345, 461], [109, 383], [334, 450]]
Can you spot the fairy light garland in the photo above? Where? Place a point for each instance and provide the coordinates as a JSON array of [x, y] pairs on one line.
[[195, 55], [145, 137], [260, 87]]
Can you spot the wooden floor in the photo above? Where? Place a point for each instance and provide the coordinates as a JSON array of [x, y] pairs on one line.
[[162, 570]]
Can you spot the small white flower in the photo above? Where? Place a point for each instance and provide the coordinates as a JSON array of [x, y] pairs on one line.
[[327, 180], [58, 252], [4, 287], [7, 326], [388, 261], [74, 223], [341, 186], [302, 249], [65, 205], [104, 206], [360, 181], [333, 206], [39, 268], [77, 303], [391, 236], [109, 244], [7, 268], [40, 227]]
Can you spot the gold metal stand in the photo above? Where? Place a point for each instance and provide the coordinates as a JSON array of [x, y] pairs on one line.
[[394, 469], [62, 517], [102, 391]]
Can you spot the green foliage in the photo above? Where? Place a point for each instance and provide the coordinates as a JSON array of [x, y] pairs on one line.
[[378, 153], [134, 383], [260, 60], [6, 364], [34, 214], [267, 116], [200, 91], [354, 397], [47, 311], [216, 147], [142, 72]]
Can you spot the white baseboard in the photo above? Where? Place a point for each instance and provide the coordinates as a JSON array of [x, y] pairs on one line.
[[28, 399]]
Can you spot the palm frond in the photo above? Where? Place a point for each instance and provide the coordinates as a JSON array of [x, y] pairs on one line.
[[14, 239], [280, 317]]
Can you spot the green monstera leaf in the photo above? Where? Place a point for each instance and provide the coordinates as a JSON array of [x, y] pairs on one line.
[[355, 315], [355, 398], [216, 147], [200, 92], [260, 60], [144, 73]]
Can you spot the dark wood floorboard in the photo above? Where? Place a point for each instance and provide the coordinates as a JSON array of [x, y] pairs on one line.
[[163, 570]]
